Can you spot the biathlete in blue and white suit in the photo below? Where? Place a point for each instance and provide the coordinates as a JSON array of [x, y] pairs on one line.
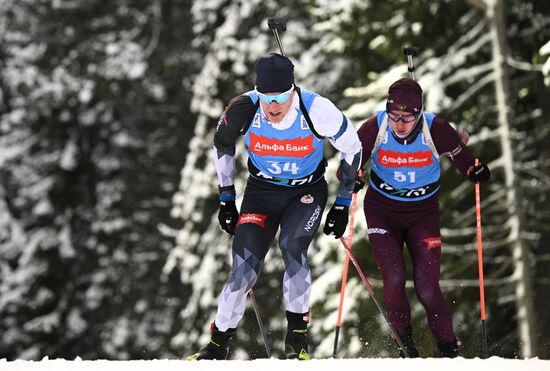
[[284, 131]]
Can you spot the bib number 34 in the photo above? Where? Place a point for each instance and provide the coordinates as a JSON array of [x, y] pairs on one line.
[[280, 167]]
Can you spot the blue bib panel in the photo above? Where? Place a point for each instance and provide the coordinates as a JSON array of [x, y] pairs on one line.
[[289, 156], [405, 172]]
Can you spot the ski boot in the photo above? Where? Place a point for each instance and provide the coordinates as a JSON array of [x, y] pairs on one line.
[[218, 347], [449, 349], [407, 338], [296, 346]]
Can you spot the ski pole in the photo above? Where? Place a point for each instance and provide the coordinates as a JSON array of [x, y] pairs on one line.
[[480, 269], [260, 323], [340, 306], [345, 273], [410, 53], [276, 25], [373, 296]]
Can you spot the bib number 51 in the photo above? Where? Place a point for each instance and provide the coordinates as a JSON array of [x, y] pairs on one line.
[[400, 176]]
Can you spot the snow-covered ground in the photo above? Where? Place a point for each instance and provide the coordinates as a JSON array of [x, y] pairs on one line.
[[371, 364]]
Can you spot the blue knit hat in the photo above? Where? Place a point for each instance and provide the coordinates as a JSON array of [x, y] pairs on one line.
[[274, 74]]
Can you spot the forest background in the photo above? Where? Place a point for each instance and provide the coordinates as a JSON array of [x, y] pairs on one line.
[[109, 242]]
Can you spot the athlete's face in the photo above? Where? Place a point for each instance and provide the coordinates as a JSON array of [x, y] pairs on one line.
[[401, 122], [273, 110]]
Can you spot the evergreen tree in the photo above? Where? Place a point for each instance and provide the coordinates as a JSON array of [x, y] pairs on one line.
[[91, 115]]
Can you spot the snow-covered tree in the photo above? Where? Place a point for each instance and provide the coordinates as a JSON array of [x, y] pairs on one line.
[[90, 132]]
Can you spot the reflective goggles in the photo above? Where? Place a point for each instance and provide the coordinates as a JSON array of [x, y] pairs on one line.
[[404, 118], [277, 98]]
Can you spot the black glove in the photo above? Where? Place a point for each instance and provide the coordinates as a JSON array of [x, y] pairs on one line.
[[228, 216], [479, 173], [337, 220], [359, 184]]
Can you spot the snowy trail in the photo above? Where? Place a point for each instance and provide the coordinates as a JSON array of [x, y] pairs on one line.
[[376, 364]]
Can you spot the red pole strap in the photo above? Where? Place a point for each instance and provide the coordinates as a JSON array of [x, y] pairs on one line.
[[479, 250], [345, 272], [346, 261], [346, 258], [342, 290], [484, 345]]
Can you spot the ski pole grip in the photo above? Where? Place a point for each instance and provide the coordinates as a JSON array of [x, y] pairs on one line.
[[278, 24], [412, 51]]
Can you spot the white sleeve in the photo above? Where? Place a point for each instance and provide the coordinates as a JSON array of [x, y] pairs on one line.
[[331, 123], [325, 116]]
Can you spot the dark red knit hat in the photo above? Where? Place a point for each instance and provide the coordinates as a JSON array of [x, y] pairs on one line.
[[274, 73], [404, 95]]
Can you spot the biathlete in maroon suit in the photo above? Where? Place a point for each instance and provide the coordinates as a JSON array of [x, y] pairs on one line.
[[284, 131], [401, 205]]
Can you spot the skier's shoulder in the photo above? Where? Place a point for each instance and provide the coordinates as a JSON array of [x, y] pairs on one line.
[[442, 130], [239, 112], [326, 117], [369, 127], [436, 122], [240, 109], [323, 106]]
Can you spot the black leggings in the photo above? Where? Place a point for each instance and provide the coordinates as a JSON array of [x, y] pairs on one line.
[[265, 208]]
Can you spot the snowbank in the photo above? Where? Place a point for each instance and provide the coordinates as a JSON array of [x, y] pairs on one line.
[[370, 364]]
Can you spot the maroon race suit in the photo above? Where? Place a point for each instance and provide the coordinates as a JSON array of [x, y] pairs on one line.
[[393, 223]]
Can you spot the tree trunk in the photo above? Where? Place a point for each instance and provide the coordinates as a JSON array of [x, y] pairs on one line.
[[520, 251]]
